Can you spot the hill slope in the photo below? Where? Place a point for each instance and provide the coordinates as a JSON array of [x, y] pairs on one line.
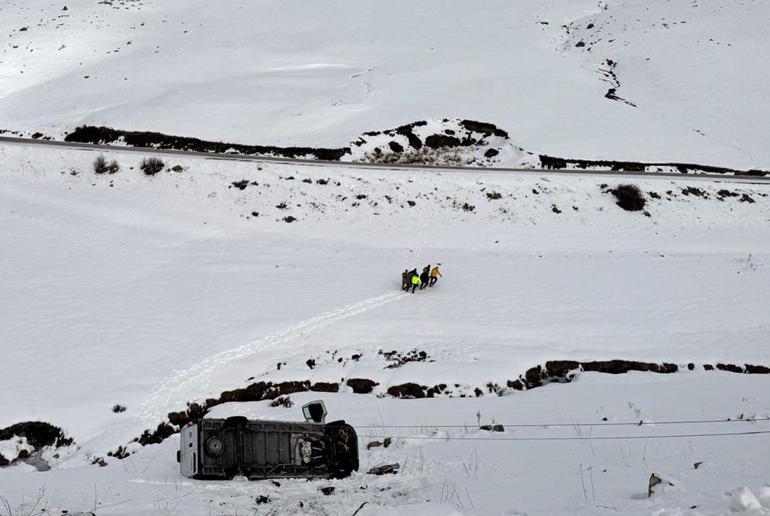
[[293, 73]]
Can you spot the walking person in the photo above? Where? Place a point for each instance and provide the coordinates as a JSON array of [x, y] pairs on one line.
[[435, 274], [405, 277], [415, 281], [425, 277]]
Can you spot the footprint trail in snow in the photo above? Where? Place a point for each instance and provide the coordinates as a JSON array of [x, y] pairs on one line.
[[194, 383]]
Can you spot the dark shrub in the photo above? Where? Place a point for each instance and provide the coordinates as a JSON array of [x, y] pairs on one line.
[[494, 195], [100, 164], [282, 401], [118, 408], [113, 167], [152, 166], [468, 207], [629, 197]]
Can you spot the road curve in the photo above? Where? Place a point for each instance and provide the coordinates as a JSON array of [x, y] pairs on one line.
[[6, 140]]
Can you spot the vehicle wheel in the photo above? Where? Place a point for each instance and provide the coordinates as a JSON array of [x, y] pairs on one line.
[[214, 446]]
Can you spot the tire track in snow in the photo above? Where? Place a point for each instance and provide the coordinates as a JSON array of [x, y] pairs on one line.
[[195, 382]]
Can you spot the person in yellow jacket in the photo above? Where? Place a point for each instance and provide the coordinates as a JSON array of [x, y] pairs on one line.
[[435, 274], [415, 281]]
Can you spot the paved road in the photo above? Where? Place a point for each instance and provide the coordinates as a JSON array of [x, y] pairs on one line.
[[5, 140]]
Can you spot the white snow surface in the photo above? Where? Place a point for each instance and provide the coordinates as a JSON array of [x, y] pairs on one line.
[[322, 73], [155, 291]]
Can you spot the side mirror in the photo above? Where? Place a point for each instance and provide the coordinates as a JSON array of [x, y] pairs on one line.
[[314, 412]]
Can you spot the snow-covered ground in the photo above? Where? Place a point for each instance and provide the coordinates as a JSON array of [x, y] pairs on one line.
[[125, 291], [691, 78], [455, 471], [150, 292]]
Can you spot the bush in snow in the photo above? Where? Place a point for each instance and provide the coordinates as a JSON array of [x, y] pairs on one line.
[[100, 164], [152, 166], [102, 167], [629, 197]]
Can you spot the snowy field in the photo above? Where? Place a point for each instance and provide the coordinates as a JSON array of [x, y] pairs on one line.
[[124, 296], [154, 291], [691, 78], [461, 470]]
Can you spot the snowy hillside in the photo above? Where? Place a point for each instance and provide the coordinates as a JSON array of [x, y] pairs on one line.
[[597, 343], [150, 292], [645, 81]]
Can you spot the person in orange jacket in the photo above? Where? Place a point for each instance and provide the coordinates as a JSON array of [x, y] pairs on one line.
[[435, 274]]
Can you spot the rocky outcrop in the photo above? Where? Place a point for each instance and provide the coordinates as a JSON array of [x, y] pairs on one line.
[[36, 436], [149, 139], [559, 371], [361, 385], [552, 162]]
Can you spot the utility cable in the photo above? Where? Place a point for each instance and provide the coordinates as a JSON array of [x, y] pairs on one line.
[[577, 438], [578, 424]]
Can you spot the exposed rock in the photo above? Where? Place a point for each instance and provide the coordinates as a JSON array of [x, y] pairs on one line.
[[552, 162], [325, 387], [107, 135], [282, 401], [385, 469], [37, 433], [624, 366], [437, 141], [361, 385], [157, 436], [730, 367], [560, 368], [406, 130], [408, 391], [483, 128], [516, 385]]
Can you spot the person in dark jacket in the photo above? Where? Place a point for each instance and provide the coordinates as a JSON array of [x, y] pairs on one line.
[[405, 280], [425, 277]]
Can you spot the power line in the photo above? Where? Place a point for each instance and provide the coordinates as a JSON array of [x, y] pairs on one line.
[[580, 438], [577, 424]]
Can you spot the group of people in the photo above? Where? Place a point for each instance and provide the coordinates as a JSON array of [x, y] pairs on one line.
[[428, 278]]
